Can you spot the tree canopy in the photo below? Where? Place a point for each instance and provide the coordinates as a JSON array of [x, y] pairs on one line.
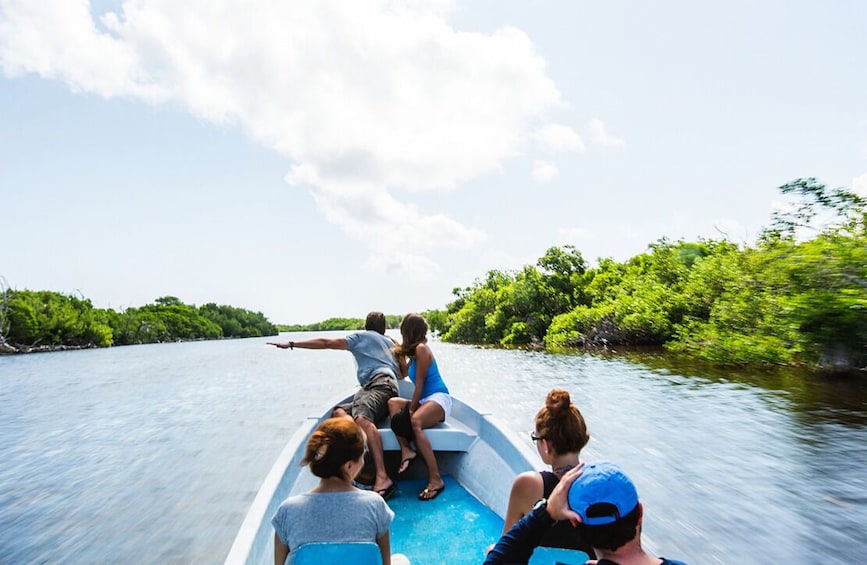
[[799, 296], [47, 319], [338, 324]]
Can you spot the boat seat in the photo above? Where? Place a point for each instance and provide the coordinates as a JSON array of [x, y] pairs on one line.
[[357, 553], [557, 556], [443, 437]]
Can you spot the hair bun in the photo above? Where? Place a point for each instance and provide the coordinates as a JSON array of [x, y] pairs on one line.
[[558, 402]]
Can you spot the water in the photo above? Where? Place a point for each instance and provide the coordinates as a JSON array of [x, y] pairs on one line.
[[154, 452]]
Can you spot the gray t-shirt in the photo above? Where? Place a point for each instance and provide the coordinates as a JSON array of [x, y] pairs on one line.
[[357, 515], [373, 356]]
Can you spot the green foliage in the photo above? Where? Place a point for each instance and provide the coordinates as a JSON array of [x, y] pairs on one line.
[[49, 319], [437, 320], [788, 300], [4, 310], [392, 321], [838, 210], [237, 322], [331, 324], [634, 303], [516, 309], [564, 268], [784, 301], [472, 315]]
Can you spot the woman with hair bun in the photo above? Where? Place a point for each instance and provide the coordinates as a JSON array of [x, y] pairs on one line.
[[560, 434], [334, 511]]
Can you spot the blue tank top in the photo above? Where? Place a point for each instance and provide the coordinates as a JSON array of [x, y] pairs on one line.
[[433, 381]]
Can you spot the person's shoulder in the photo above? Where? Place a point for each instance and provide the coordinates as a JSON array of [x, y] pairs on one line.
[[365, 334], [362, 494], [528, 483], [296, 500], [368, 497], [355, 337], [528, 477]]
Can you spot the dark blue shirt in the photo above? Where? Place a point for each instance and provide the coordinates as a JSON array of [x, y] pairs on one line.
[[517, 545]]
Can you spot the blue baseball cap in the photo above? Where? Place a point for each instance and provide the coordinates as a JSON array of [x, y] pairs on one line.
[[602, 483]]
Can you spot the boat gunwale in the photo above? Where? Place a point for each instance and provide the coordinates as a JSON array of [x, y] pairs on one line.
[[491, 432]]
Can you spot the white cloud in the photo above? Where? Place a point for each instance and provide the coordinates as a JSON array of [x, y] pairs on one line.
[[544, 172], [38, 38], [559, 139], [367, 212], [415, 267], [600, 136], [366, 97], [859, 185]]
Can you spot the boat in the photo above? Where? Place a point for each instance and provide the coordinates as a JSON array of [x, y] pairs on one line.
[[478, 457]]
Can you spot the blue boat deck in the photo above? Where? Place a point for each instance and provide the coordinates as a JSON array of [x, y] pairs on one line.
[[478, 458], [439, 531]]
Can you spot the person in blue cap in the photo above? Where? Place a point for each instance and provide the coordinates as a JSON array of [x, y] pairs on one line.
[[602, 503]]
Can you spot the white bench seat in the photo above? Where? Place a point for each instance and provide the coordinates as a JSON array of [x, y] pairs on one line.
[[443, 437]]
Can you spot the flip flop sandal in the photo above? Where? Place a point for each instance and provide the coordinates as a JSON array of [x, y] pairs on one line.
[[430, 493], [404, 464], [386, 492]]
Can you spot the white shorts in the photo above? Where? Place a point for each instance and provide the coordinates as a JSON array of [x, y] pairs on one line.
[[441, 398]]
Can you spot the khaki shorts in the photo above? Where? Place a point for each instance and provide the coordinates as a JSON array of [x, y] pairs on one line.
[[371, 402]]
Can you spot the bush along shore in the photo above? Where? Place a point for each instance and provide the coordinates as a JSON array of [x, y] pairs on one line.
[[796, 297], [43, 321]]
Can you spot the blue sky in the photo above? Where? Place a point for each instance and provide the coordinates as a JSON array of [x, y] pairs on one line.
[[318, 159]]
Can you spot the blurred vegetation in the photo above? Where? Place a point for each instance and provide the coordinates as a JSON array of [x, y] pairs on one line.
[[797, 297], [49, 320], [392, 321]]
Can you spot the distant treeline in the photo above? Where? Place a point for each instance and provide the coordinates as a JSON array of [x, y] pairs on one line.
[[46, 320], [787, 300], [798, 296], [338, 324]]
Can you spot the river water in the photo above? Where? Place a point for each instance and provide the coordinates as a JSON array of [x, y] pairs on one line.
[[153, 453]]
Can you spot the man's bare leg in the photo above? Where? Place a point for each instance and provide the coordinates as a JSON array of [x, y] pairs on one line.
[[374, 445]]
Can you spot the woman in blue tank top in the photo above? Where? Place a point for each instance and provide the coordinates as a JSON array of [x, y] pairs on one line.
[[430, 403]]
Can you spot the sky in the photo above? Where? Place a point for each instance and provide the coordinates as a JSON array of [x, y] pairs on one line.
[[310, 160]]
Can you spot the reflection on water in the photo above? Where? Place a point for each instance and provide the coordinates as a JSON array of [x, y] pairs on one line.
[[825, 397], [155, 452]]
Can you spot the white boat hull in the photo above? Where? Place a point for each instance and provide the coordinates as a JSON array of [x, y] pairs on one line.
[[473, 448]]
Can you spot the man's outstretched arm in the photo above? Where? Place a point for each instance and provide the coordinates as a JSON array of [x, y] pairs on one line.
[[316, 343]]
